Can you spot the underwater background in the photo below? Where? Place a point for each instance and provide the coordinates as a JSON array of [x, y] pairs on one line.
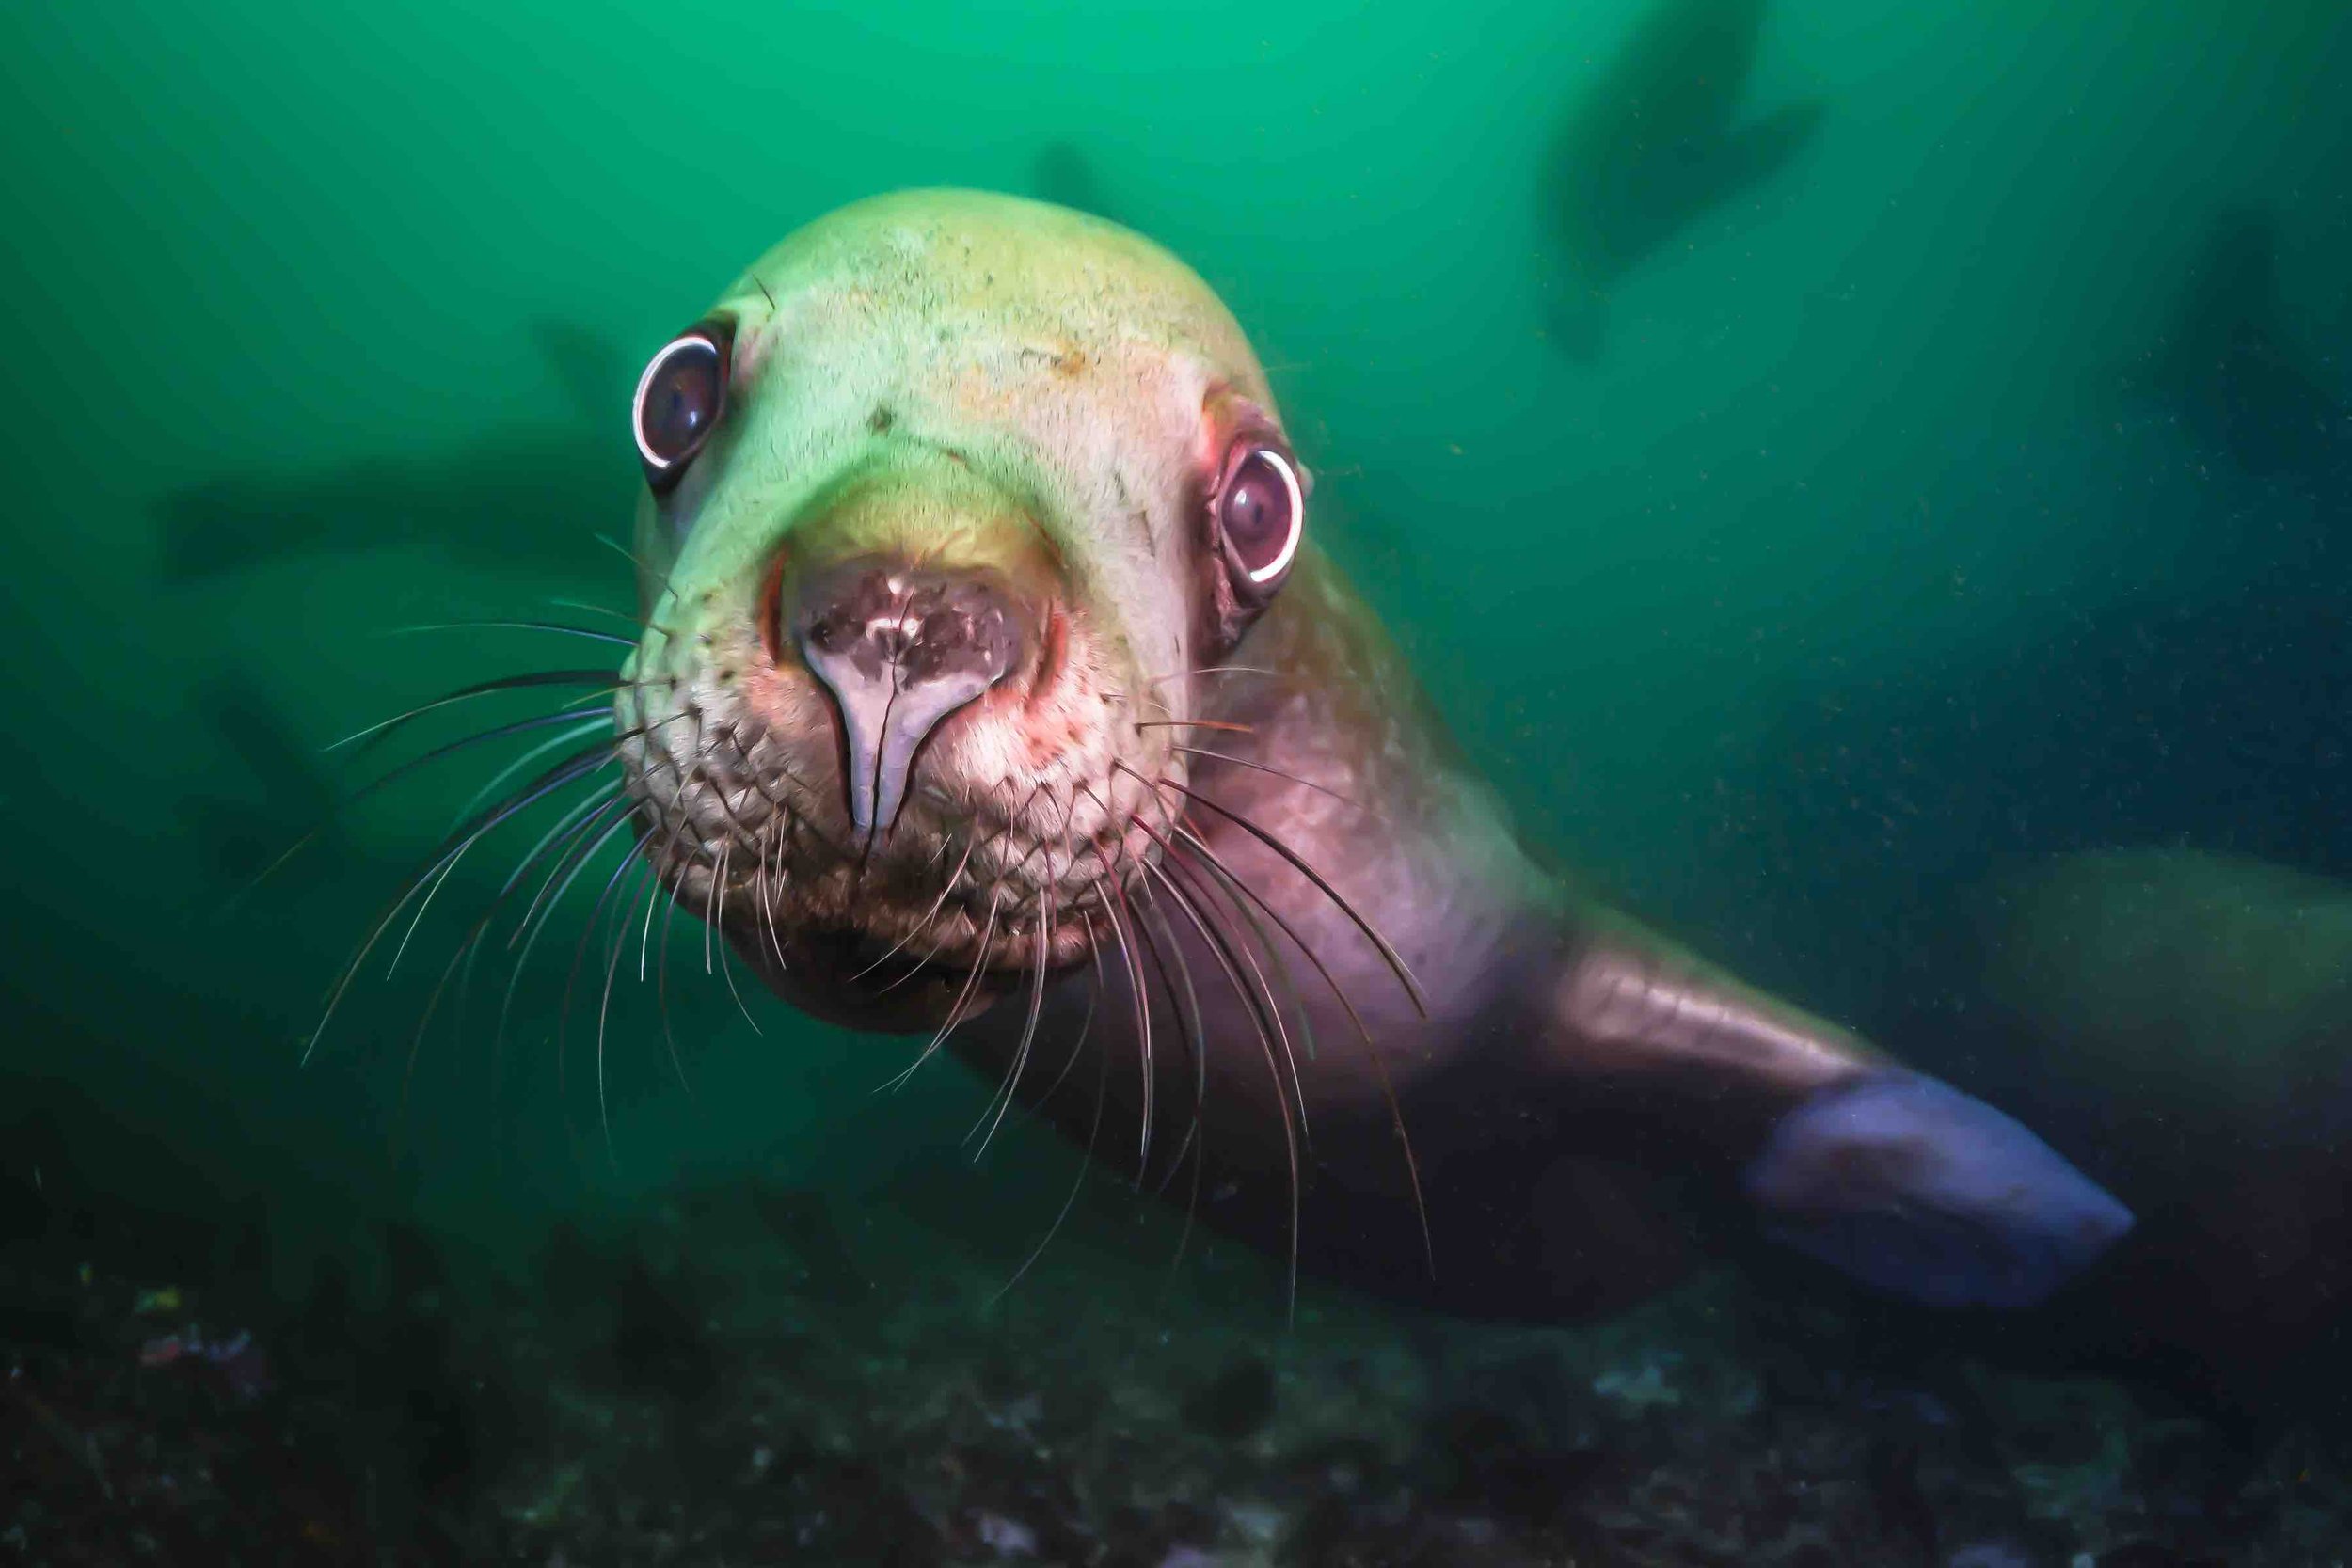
[[1819, 456]]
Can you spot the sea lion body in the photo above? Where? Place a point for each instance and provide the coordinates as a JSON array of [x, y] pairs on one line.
[[975, 700], [1574, 1104]]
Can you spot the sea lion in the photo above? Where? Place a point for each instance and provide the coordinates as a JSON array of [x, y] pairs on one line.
[[492, 501], [2183, 1022], [1658, 143], [991, 689]]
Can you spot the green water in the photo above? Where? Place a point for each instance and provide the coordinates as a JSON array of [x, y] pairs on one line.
[[1869, 427]]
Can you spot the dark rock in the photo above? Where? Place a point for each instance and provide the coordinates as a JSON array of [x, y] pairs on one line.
[[1236, 1403]]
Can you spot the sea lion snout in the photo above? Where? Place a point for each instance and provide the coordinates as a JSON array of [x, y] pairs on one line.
[[900, 649]]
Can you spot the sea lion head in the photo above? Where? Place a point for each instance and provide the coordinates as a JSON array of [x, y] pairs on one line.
[[948, 499]]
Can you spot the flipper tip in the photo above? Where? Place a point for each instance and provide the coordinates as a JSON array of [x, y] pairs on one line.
[[1918, 1189]]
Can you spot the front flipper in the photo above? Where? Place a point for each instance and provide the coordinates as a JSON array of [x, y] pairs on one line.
[[1918, 1190]]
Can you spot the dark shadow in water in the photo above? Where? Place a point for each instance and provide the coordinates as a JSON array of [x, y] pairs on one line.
[[2230, 369], [242, 824], [1063, 174], [2220, 725], [527, 499], [1657, 144]]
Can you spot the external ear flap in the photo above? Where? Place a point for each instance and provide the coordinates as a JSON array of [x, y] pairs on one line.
[[1918, 1190]]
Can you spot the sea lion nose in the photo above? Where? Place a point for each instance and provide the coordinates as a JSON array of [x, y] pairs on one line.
[[899, 648]]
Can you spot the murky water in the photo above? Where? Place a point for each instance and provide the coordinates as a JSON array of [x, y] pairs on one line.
[[1835, 468]]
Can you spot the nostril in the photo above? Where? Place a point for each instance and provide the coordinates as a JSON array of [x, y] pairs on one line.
[[899, 649]]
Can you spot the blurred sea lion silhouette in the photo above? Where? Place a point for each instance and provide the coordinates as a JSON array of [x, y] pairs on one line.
[[1657, 145], [2229, 368], [524, 497], [242, 827], [2181, 1024]]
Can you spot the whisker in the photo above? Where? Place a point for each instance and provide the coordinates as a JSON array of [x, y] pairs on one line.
[[662, 981], [373, 785], [1101, 1095], [618, 741], [621, 616], [587, 727], [1193, 725], [433, 887], [605, 680], [1028, 1030], [469, 948], [931, 956], [635, 559], [1198, 1043], [568, 869], [685, 774], [1217, 670], [645, 939], [726, 971], [577, 820], [773, 836], [1250, 1002], [614, 946], [1273, 952], [541, 906], [571, 981], [1260, 993], [1086, 1024], [1142, 995], [1273, 1007], [668, 847], [1380, 1058], [930, 914], [636, 623], [578, 766], [462, 962], [955, 1013], [514, 625], [717, 899], [1196, 1140], [1280, 773], [1299, 864], [1187, 1006], [916, 966]]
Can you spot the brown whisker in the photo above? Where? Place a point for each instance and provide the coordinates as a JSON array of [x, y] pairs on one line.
[[1250, 1003], [1379, 1061], [1299, 864], [1193, 725], [1277, 772]]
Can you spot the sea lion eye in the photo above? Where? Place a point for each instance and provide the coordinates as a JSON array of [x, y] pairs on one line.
[[1260, 514], [679, 400]]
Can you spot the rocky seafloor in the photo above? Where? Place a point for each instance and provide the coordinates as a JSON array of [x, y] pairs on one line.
[[737, 1380]]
